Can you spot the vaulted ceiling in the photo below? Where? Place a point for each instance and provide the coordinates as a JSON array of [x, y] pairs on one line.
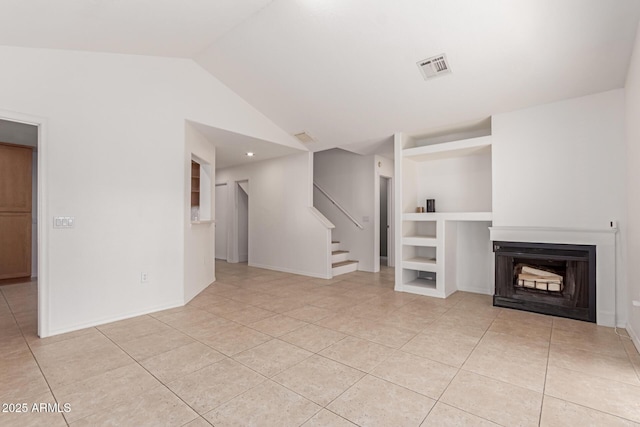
[[345, 71]]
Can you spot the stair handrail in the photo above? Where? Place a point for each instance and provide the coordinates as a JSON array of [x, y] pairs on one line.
[[337, 205]]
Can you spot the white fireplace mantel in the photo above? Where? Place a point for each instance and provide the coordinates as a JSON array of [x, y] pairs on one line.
[[603, 239]]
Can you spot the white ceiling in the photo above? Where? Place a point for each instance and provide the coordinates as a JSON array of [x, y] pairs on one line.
[[177, 28], [232, 148], [345, 71]]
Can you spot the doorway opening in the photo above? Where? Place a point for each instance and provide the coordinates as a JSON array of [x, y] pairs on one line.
[[221, 226], [384, 220], [27, 131], [242, 216]]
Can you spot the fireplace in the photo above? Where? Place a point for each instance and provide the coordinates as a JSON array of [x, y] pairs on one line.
[[556, 279]]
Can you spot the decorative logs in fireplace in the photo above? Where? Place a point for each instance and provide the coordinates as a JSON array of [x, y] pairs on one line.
[[554, 279]]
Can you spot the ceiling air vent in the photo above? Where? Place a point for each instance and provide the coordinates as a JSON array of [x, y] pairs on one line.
[[304, 137], [434, 67]]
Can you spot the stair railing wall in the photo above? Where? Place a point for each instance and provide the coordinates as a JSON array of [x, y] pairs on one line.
[[340, 208]]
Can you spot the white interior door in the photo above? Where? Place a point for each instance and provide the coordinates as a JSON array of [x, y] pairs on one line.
[[222, 228]]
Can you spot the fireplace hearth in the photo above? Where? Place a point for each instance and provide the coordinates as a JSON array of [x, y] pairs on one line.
[[555, 279]]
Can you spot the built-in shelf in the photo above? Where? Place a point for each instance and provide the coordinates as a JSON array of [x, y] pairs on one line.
[[423, 283], [205, 221], [420, 264], [431, 241], [460, 148], [450, 216]]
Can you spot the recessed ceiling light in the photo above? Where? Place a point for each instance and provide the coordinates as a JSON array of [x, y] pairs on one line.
[[250, 154]]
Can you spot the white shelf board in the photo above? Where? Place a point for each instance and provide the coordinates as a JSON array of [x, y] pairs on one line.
[[449, 216], [429, 241], [421, 287], [420, 264], [445, 150]]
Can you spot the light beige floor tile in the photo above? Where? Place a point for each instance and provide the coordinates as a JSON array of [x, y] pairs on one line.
[[336, 303], [375, 402], [272, 357], [560, 413], [514, 359], [188, 316], [35, 416], [313, 338], [268, 404], [521, 329], [181, 361], [218, 307], [526, 318], [77, 359], [278, 325], [198, 422], [248, 315], [156, 407], [235, 339], [596, 340], [407, 321], [282, 305], [215, 384], [596, 364], [133, 329], [21, 379], [309, 313], [207, 328], [522, 370], [357, 353], [382, 334], [326, 418], [421, 375], [154, 344], [39, 342], [447, 416], [608, 396], [427, 308], [494, 400], [462, 319], [319, 379], [106, 390], [451, 347]]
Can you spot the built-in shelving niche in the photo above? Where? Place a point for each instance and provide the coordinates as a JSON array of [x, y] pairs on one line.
[[457, 174]]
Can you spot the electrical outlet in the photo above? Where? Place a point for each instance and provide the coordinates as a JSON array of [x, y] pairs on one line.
[[144, 277]]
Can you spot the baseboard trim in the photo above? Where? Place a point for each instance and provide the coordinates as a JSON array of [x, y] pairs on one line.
[[476, 290], [634, 336], [290, 270], [111, 319]]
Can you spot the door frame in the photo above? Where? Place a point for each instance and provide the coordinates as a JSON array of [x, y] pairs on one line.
[[43, 236]]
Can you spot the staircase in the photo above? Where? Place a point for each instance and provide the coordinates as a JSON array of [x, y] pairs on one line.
[[340, 262]]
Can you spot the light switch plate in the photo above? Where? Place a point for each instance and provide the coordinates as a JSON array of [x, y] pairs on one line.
[[64, 221]]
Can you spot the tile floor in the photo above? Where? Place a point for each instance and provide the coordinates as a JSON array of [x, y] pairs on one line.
[[266, 348]]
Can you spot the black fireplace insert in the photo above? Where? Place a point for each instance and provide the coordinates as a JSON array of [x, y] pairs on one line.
[[555, 279]]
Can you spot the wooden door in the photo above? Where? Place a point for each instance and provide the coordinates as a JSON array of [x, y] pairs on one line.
[[15, 211]]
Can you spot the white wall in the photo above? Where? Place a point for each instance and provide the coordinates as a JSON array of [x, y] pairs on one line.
[[633, 195], [199, 239], [284, 235], [564, 165], [458, 184], [115, 160], [350, 179]]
